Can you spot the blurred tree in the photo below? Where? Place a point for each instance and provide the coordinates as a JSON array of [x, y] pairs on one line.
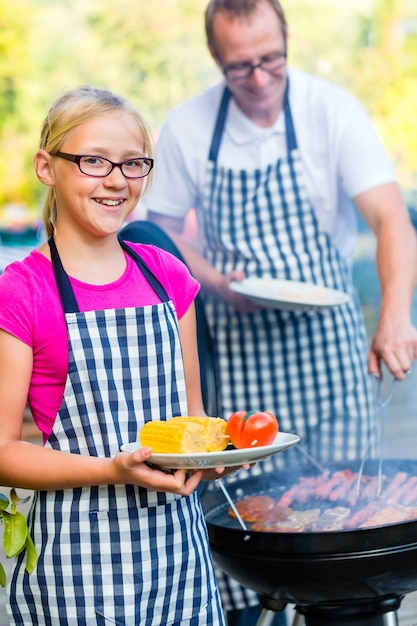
[[15, 115], [160, 54], [384, 70], [155, 54]]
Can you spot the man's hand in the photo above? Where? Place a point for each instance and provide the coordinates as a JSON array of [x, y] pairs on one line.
[[223, 292], [395, 343]]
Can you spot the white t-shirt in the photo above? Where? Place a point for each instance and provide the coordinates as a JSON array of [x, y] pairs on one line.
[[341, 152]]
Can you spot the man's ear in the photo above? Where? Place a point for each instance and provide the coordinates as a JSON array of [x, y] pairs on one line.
[[214, 55], [43, 167]]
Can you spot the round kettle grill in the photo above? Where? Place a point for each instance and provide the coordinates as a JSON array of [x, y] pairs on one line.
[[355, 577]]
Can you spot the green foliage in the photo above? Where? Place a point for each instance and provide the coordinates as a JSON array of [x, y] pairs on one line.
[[17, 132], [155, 54], [384, 69], [16, 536]]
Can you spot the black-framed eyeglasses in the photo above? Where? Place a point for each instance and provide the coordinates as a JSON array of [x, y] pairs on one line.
[[99, 167], [241, 71]]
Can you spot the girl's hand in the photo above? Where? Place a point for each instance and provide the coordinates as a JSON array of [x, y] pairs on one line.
[[132, 469]]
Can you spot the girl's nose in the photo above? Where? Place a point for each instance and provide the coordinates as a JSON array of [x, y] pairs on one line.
[[115, 178]]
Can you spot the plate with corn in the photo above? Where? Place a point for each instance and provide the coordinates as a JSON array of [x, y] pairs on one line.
[[187, 442]]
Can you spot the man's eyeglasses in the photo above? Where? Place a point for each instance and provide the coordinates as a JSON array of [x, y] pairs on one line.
[[241, 71], [99, 167]]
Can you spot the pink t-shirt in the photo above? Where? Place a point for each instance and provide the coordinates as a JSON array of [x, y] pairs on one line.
[[30, 309]]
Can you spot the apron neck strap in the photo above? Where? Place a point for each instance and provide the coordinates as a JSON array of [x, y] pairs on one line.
[[221, 118], [151, 278], [218, 129], [289, 124], [66, 292]]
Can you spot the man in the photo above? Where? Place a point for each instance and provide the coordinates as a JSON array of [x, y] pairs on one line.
[[274, 160]]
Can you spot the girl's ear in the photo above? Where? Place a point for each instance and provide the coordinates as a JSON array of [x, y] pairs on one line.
[[43, 167]]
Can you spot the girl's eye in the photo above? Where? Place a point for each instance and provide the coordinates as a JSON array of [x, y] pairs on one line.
[[92, 160]]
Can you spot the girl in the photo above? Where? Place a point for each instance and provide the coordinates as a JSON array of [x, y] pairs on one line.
[[99, 337]]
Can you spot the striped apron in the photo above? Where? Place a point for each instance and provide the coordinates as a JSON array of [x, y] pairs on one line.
[[309, 368], [116, 554]]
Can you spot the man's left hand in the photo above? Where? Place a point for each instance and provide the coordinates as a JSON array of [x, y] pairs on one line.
[[395, 343]]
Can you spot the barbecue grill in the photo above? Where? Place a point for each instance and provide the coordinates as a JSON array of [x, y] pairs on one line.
[[355, 577]]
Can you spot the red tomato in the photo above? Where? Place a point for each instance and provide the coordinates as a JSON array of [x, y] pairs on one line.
[[249, 429]]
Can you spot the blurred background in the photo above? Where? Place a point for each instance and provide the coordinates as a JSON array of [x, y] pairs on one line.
[[154, 52]]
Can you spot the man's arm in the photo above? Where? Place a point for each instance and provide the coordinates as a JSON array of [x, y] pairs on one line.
[[395, 338], [209, 278]]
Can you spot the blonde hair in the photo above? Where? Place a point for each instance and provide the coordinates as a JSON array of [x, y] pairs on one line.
[[73, 108]]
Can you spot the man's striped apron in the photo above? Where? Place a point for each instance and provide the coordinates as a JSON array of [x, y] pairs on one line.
[[116, 554], [309, 368]]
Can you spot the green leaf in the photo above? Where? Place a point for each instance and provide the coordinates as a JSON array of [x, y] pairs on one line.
[[31, 556], [15, 533], [16, 536], [4, 501], [2, 576], [15, 499]]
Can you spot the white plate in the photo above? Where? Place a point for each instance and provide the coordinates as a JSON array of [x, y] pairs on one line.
[[226, 458], [289, 294]]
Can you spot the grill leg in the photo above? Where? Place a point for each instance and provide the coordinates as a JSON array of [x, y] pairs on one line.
[[266, 617], [298, 620], [390, 619]]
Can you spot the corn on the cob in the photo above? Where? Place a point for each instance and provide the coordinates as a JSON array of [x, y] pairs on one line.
[[185, 435], [215, 431]]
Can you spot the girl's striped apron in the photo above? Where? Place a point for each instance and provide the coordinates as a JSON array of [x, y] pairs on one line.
[[116, 554], [309, 368]]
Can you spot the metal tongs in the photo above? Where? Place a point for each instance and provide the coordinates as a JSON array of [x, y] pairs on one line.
[[379, 424], [232, 505]]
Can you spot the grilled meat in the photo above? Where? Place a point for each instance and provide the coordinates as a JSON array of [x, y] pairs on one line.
[[329, 501]]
